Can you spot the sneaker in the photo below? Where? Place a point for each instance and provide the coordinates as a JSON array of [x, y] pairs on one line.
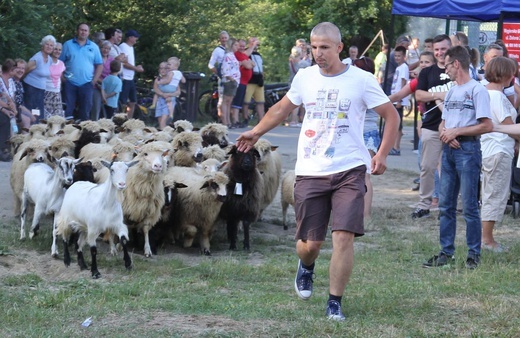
[[303, 282], [420, 213], [334, 311], [498, 248], [440, 260], [472, 261], [394, 152]]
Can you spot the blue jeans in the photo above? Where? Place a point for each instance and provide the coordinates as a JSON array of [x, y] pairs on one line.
[[460, 170], [33, 98], [82, 95]]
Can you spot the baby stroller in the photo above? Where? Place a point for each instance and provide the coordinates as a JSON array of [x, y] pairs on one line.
[[515, 189]]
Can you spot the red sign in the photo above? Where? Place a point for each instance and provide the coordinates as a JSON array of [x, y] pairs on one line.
[[511, 38]]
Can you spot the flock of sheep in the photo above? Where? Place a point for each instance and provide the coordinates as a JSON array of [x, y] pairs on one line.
[[128, 181]]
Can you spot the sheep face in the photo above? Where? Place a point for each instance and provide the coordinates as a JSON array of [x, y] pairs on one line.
[[35, 154], [216, 187], [245, 161], [214, 133], [188, 148], [37, 131], [118, 171], [65, 167], [84, 171], [153, 160], [55, 125]]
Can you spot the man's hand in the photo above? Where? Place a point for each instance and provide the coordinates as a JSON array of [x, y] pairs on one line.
[[378, 164], [449, 136], [139, 69], [246, 141]]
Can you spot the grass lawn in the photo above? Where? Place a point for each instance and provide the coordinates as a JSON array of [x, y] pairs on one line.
[[179, 293]]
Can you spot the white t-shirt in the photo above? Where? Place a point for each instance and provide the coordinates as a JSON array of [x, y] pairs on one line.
[[128, 74], [494, 143], [465, 104], [401, 72], [347, 61], [331, 138]]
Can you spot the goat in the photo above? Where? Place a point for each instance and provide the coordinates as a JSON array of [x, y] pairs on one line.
[[100, 211]]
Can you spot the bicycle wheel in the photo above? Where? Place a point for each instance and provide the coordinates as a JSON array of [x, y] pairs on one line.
[[203, 98]]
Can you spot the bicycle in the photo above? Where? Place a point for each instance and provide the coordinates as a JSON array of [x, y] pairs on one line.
[[208, 100]]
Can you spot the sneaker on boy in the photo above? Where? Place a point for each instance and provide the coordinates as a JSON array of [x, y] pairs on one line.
[[334, 311], [303, 282]]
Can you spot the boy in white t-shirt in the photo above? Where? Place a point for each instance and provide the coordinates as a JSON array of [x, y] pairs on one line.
[[170, 82], [401, 77]]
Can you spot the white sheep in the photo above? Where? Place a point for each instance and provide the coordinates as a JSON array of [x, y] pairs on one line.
[[287, 195], [33, 151], [124, 151], [54, 125], [215, 152], [36, 131], [196, 207], [187, 148], [180, 126], [144, 196], [100, 211], [270, 165], [61, 145], [45, 188], [108, 126]]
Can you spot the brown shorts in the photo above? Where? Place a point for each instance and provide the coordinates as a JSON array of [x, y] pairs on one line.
[[340, 196]]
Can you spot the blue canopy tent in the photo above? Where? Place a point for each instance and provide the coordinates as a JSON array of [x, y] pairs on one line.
[[467, 10]]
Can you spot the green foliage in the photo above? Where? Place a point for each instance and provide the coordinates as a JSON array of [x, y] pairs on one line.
[[189, 29]]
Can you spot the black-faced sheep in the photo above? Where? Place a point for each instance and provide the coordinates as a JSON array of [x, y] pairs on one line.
[[144, 195], [45, 188], [89, 134], [214, 133], [33, 151], [196, 207], [270, 165], [244, 194], [119, 119], [100, 212], [187, 148], [287, 195]]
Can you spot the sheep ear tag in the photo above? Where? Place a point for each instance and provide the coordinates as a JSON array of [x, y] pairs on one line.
[[238, 189]]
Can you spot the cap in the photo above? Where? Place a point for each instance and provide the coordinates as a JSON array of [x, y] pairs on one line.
[[132, 32]]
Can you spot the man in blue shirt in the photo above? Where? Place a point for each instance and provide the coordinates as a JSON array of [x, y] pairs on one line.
[[84, 65]]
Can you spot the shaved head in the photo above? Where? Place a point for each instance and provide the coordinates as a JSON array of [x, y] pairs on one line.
[[327, 29]]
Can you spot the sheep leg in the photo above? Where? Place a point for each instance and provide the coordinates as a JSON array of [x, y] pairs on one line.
[[147, 249], [232, 229], [204, 242], [35, 226], [54, 247], [79, 249], [66, 253], [285, 205], [93, 266], [246, 224], [189, 235], [23, 214], [17, 205], [126, 256]]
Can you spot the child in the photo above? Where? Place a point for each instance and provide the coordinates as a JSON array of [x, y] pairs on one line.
[[110, 89], [401, 77], [170, 82], [160, 104]]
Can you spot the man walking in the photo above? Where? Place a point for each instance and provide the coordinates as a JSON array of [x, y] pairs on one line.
[[84, 65], [465, 117], [129, 94], [332, 158]]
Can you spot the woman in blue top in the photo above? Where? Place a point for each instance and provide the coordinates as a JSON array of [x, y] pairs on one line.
[[36, 74]]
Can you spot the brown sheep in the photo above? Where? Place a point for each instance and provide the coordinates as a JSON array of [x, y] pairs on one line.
[[187, 149], [214, 133]]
